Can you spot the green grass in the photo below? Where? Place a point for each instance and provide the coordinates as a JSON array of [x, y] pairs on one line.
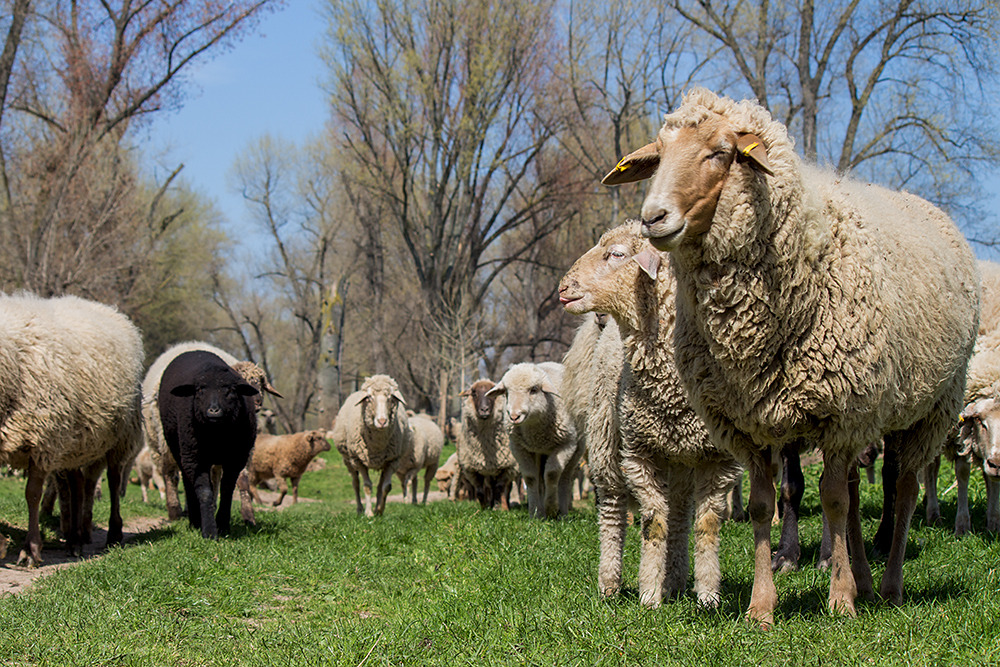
[[450, 584]]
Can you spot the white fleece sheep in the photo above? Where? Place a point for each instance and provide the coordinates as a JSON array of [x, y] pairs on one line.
[[482, 444], [427, 441], [69, 399], [808, 307], [976, 439], [542, 435], [157, 444], [371, 432], [667, 459]]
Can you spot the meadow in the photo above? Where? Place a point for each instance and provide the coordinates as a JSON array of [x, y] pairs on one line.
[[447, 583]]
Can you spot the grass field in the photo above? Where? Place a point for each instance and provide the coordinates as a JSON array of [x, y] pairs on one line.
[[452, 585]]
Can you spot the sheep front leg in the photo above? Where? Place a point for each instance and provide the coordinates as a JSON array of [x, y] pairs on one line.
[[835, 497], [570, 462], [713, 488], [384, 486], [859, 559], [173, 499], [963, 468], [680, 501], [115, 523], [368, 493], [31, 552], [933, 506], [612, 520], [764, 596], [992, 503], [647, 485], [528, 463], [204, 504], [907, 490], [223, 518], [283, 488]]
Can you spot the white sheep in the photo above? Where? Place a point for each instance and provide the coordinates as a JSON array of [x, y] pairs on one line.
[[595, 359], [69, 399], [542, 435], [667, 459], [976, 439], [808, 307], [482, 443], [157, 444], [427, 441], [371, 432]]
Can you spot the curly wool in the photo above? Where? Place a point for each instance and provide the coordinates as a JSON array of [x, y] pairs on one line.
[[809, 309], [483, 445], [354, 433]]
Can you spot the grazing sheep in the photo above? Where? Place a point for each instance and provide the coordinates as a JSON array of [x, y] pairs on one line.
[[284, 456], [371, 432], [162, 458], [482, 443], [208, 419], [808, 307], [148, 473], [542, 435], [426, 442], [975, 440], [667, 459], [70, 401]]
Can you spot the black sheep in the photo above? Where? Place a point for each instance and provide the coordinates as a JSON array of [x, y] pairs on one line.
[[207, 411]]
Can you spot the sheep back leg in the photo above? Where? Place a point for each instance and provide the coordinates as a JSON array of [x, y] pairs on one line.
[[31, 552], [570, 471], [855, 539], [933, 506], [170, 480], [992, 503], [835, 497], [680, 502], [646, 483], [428, 476], [963, 469], [283, 489], [295, 489], [115, 524], [907, 490], [246, 497], [882, 542], [529, 463], [786, 556], [714, 486], [612, 521], [764, 596]]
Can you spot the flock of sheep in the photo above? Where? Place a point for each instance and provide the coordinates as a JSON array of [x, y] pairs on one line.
[[759, 307]]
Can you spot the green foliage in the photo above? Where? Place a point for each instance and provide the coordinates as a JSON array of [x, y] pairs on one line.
[[448, 583]]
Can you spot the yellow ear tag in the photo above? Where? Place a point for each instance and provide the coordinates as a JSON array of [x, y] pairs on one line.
[[746, 151]]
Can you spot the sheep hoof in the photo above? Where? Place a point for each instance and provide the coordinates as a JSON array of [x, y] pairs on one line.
[[26, 559]]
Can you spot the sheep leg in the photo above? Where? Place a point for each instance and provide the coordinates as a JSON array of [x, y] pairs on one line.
[[647, 484], [612, 520], [835, 497], [246, 497], [144, 481], [173, 499], [368, 493], [31, 552], [115, 524], [855, 539], [963, 469], [786, 557], [681, 492], [226, 488], [933, 508], [428, 476], [992, 503], [907, 490], [738, 512], [283, 488], [764, 596], [384, 486], [203, 496], [570, 463], [882, 542], [710, 508], [252, 483], [295, 489]]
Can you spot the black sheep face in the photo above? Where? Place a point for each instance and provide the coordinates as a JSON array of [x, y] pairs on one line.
[[215, 397]]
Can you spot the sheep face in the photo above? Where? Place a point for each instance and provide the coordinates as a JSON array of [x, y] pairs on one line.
[[689, 164], [529, 393], [215, 397], [600, 279], [379, 405], [481, 399], [318, 442], [980, 434]]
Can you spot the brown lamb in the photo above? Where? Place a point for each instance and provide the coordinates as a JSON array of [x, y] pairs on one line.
[[284, 456]]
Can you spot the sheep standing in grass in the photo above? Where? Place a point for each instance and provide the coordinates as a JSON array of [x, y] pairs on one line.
[[70, 401], [371, 432], [427, 441], [283, 457], [667, 459], [595, 359], [542, 435], [482, 443], [808, 307], [148, 472]]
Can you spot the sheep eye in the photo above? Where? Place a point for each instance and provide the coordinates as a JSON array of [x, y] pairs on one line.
[[717, 155]]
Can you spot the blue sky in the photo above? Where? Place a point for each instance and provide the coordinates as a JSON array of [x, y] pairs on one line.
[[268, 83]]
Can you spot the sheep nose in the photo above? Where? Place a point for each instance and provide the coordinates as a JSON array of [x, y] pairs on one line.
[[214, 411], [517, 417], [381, 422], [991, 466]]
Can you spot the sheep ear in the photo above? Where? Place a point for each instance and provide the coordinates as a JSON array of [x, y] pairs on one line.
[[246, 390], [362, 399], [635, 166], [751, 149], [399, 397], [183, 390], [649, 261], [496, 389], [977, 408], [271, 390], [467, 392]]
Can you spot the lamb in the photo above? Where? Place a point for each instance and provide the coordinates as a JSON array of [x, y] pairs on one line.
[[284, 456], [147, 472], [974, 440], [208, 419], [371, 432], [596, 358], [69, 400], [482, 443], [808, 307], [542, 435], [155, 441], [667, 459], [427, 441]]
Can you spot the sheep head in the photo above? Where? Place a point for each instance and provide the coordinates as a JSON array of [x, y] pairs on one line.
[[318, 442], [689, 162], [980, 434], [605, 276], [528, 391], [380, 400], [481, 399]]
